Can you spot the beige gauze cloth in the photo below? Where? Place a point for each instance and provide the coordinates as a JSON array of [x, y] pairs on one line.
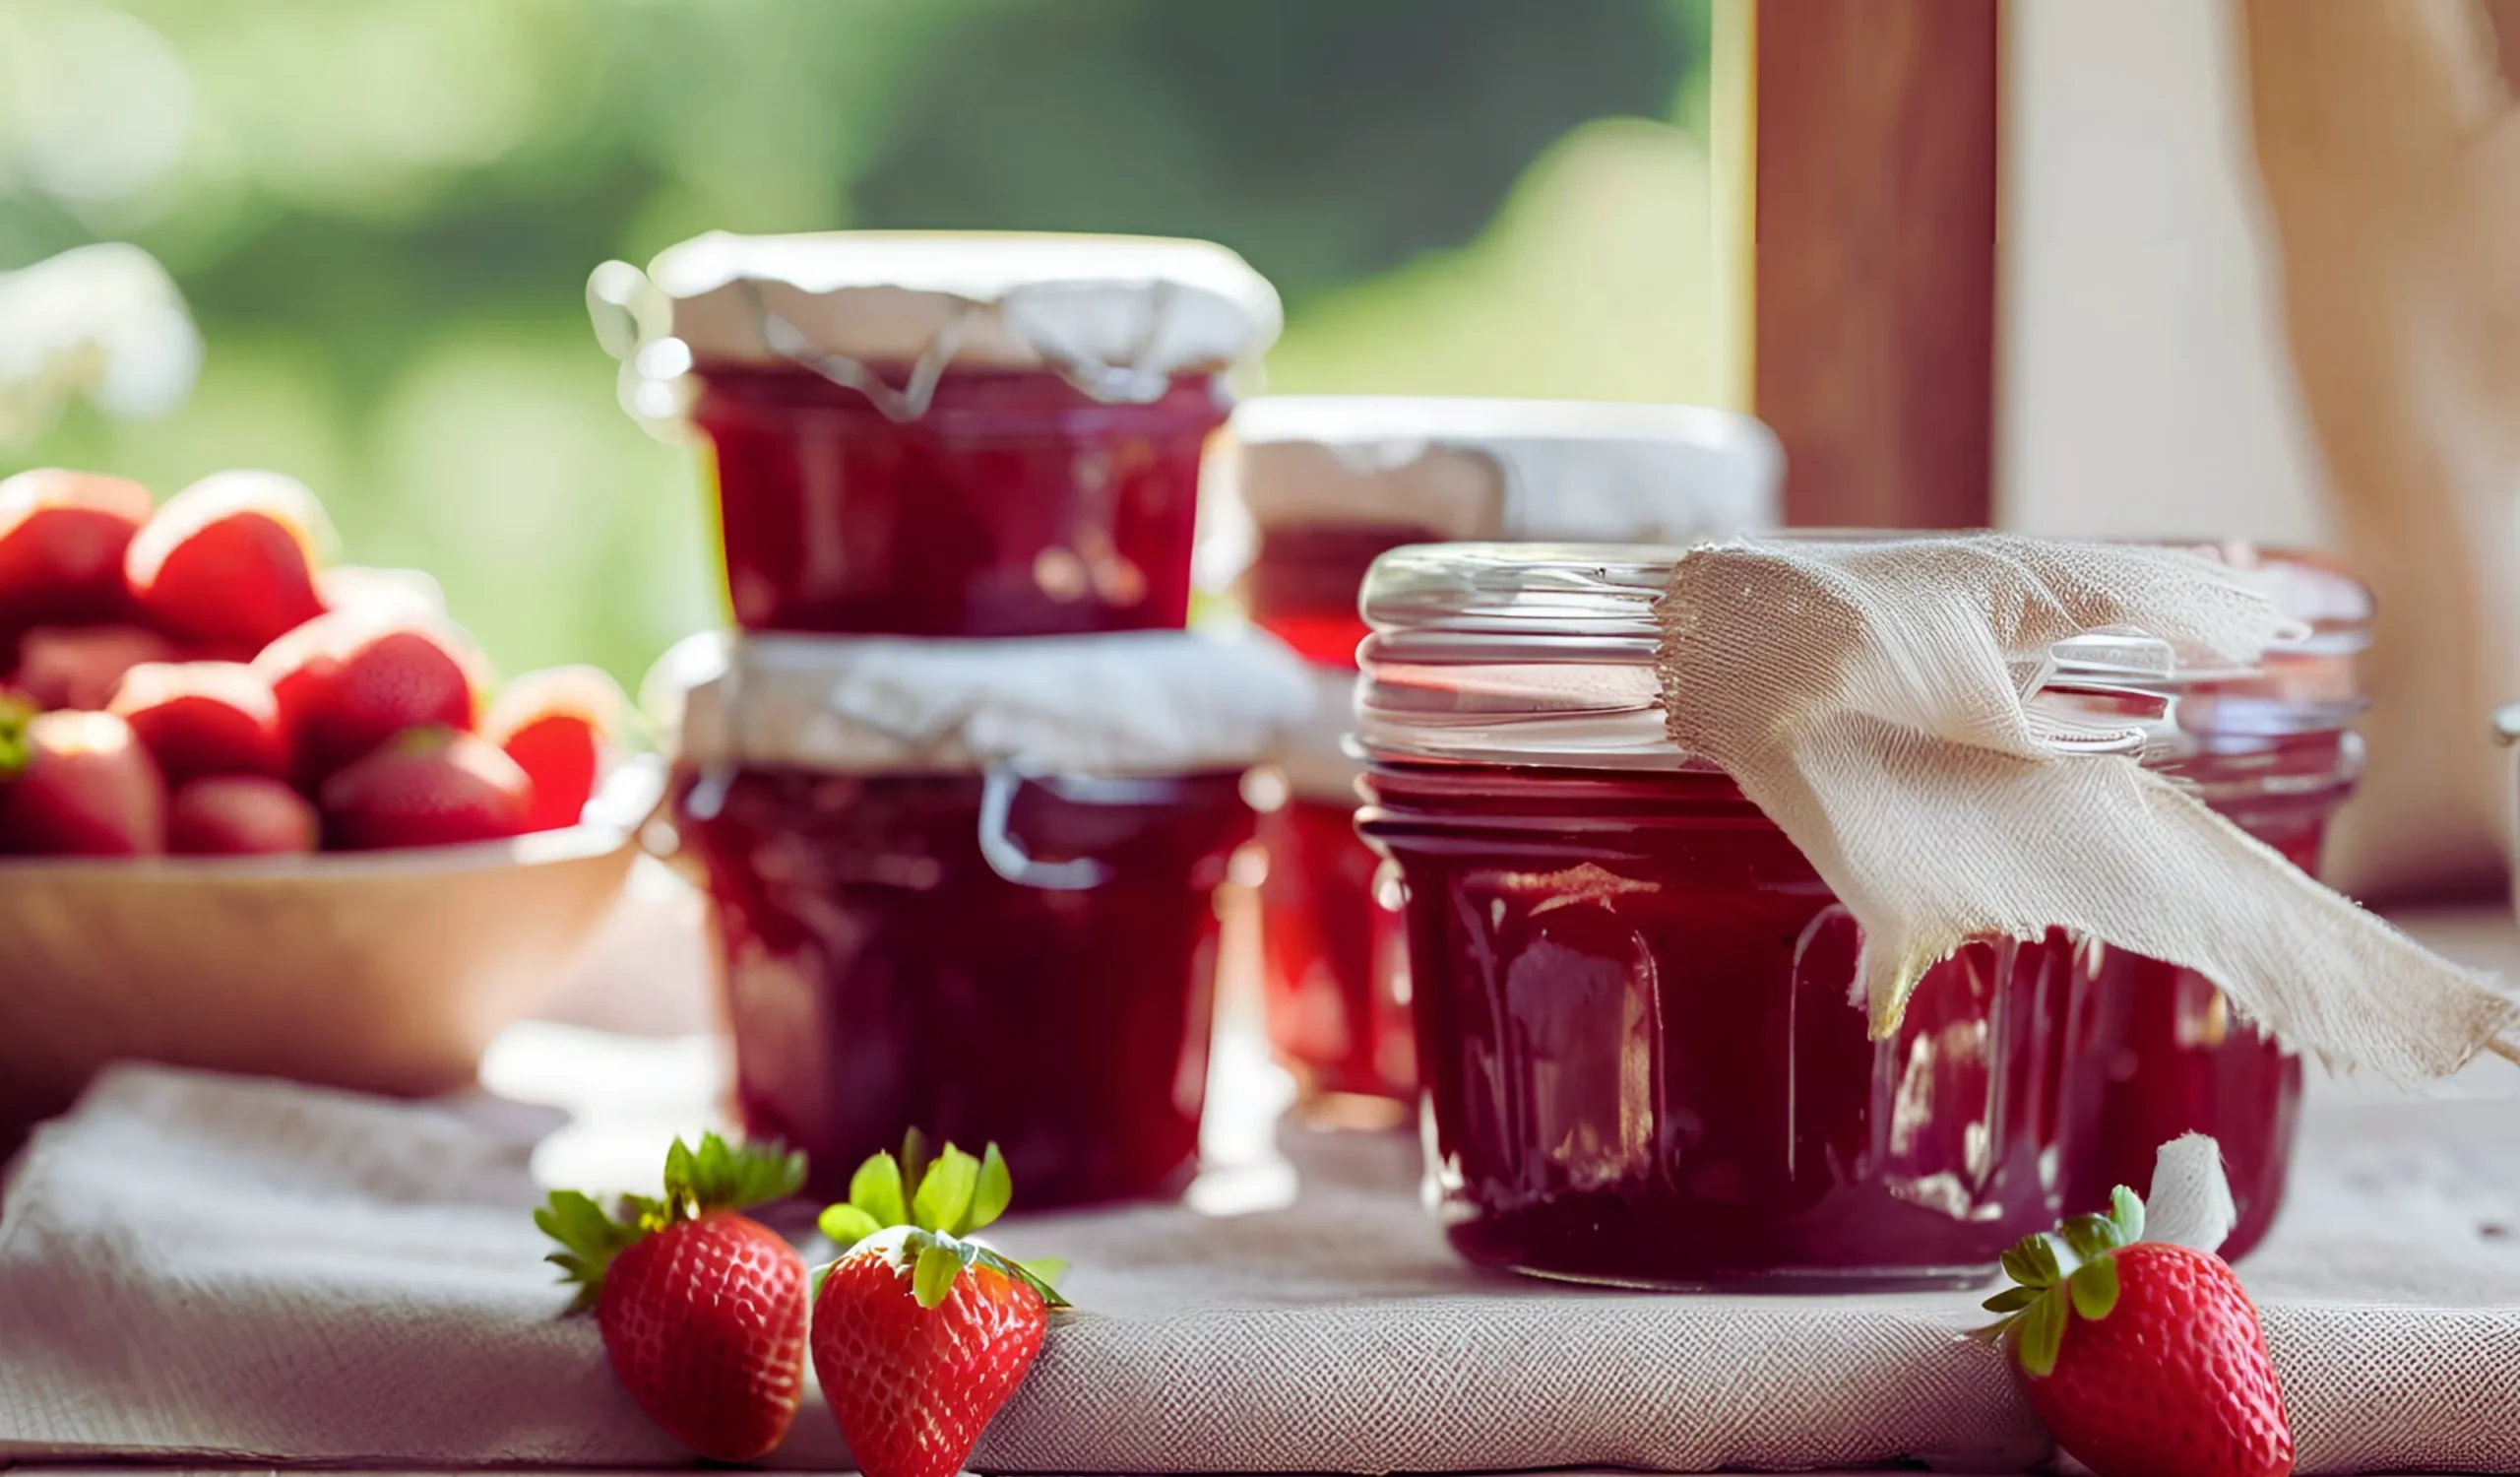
[[1880, 701]]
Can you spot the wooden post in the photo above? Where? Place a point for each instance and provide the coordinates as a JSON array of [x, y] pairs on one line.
[[1874, 265]]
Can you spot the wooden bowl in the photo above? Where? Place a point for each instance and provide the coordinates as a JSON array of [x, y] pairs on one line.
[[381, 972]]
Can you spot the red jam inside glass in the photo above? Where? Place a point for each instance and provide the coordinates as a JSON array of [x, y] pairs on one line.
[[1331, 958], [1645, 1051], [1015, 504], [880, 975], [2162, 1053], [1330, 952]]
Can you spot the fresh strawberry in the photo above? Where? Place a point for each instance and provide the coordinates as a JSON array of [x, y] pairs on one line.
[[77, 785], [920, 1333], [702, 1308], [62, 540], [229, 563], [240, 816], [2143, 1358], [558, 726], [203, 718], [347, 683], [80, 666], [428, 787]]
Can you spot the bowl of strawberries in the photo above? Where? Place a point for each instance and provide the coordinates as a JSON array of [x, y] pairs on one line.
[[262, 816]]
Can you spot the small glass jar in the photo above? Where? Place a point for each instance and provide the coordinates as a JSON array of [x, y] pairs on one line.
[[1304, 493], [2162, 1052], [942, 434], [1643, 1043], [921, 923]]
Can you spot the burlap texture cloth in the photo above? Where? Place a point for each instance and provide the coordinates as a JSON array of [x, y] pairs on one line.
[[196, 1266]]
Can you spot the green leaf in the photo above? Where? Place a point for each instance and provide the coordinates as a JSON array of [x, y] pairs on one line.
[[914, 1157], [719, 1176], [2094, 1288], [2041, 1336], [588, 1241], [1049, 1271], [2090, 1236], [2031, 1261], [996, 1191], [2126, 1208], [16, 750], [876, 1189], [814, 1283], [945, 1193], [931, 1281], [2011, 1299], [644, 1212], [847, 1225]]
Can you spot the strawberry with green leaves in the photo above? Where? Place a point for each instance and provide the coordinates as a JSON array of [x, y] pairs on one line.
[[702, 1308], [921, 1333], [2143, 1358]]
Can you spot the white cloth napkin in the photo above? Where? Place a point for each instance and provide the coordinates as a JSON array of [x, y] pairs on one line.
[[204, 1267], [1877, 699]]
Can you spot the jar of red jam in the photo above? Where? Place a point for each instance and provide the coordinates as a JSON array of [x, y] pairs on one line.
[[2161, 1051], [945, 434], [1642, 1037], [1304, 493], [968, 889]]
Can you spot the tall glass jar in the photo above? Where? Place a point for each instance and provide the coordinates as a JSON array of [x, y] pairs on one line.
[[1304, 493], [969, 887], [945, 434]]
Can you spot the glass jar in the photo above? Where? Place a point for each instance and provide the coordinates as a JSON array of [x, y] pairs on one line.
[[1642, 1037], [920, 924], [1304, 493], [945, 435], [2161, 1051]]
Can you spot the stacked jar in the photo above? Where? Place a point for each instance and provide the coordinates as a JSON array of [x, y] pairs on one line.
[[1644, 1044], [1306, 491], [960, 783]]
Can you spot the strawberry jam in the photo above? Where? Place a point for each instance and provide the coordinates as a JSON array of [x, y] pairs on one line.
[[923, 433], [1323, 487], [1641, 1036], [1645, 1053], [1332, 960], [2163, 1053], [881, 972], [1014, 504]]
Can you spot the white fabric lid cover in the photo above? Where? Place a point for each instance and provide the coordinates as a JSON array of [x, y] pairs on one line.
[[1126, 703], [1015, 300], [1567, 470]]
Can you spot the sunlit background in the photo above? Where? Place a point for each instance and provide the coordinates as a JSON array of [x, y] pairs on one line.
[[383, 215]]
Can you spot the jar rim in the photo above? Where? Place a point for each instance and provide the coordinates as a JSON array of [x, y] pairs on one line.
[[1544, 654]]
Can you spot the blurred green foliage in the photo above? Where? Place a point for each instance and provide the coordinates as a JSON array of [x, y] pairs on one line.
[[383, 212]]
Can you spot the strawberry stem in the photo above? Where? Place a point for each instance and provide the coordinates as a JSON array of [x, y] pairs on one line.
[[717, 1175], [15, 752], [2056, 1274], [956, 1195]]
